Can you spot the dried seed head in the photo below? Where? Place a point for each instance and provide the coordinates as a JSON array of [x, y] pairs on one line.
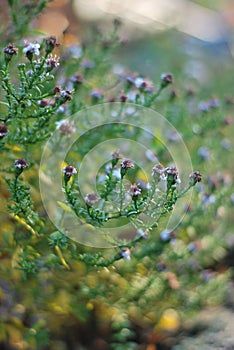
[[166, 79], [125, 165], [134, 191], [172, 175], [123, 97], [66, 127], [195, 177], [91, 199], [66, 95], [9, 52], [51, 43], [158, 169], [3, 130]]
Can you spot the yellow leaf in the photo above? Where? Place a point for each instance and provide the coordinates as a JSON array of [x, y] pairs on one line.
[[64, 206]]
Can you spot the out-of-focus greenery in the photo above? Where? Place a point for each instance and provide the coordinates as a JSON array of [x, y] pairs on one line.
[[52, 296]]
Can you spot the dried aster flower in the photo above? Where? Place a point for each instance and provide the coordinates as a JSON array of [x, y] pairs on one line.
[[123, 97], [66, 95], [91, 199], [166, 79], [126, 164], [51, 43], [134, 191], [9, 52], [172, 176], [195, 177], [158, 172], [3, 130]]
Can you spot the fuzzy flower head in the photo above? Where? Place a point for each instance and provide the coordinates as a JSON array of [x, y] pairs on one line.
[[31, 49], [3, 131], [126, 253], [125, 165], [91, 199]]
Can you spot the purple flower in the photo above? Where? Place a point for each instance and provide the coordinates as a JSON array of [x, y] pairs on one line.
[[69, 171], [21, 164]]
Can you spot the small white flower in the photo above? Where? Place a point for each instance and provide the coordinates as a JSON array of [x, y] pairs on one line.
[[126, 254], [165, 235], [138, 82], [142, 233], [31, 48]]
